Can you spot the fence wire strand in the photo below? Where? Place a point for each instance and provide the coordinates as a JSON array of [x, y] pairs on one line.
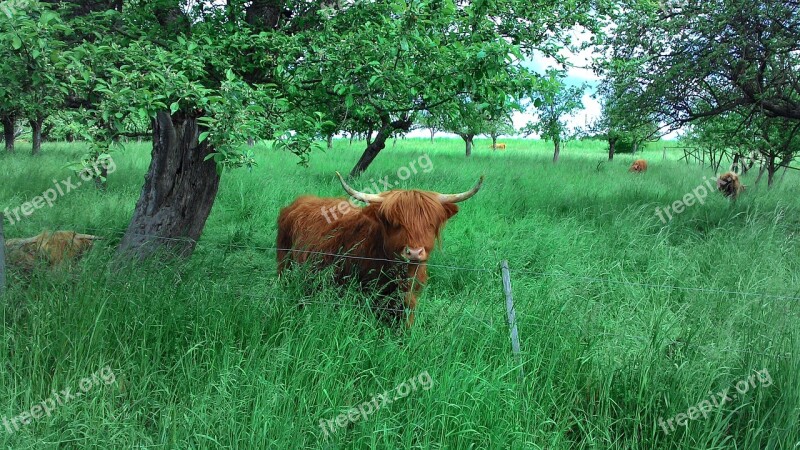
[[561, 275], [495, 269]]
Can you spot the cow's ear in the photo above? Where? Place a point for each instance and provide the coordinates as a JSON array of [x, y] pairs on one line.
[[450, 209]]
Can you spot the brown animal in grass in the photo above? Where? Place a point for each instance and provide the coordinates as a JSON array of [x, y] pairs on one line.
[[497, 146], [54, 248], [728, 183], [639, 165], [387, 242]]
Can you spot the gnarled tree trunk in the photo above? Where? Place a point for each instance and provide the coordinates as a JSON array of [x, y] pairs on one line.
[[36, 131], [178, 193], [8, 132], [556, 150], [374, 147], [494, 142]]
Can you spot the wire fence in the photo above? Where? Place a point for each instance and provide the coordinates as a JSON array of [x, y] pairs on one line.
[[494, 268]]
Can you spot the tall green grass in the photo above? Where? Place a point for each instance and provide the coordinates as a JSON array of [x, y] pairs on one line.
[[623, 319]]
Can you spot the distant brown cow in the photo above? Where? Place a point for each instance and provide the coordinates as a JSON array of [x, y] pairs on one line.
[[728, 183], [497, 146], [388, 242], [639, 165], [51, 247]]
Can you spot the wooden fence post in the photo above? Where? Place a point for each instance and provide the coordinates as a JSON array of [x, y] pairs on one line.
[[2, 256], [512, 317]]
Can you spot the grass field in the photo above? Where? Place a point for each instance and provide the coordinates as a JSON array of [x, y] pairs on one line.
[[625, 321]]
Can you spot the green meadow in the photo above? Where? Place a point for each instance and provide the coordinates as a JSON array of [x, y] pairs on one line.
[[625, 321]]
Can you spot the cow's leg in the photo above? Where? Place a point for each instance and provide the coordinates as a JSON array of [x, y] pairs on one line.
[[410, 304], [417, 276]]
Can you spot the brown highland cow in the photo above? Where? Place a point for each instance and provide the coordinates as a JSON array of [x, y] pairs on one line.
[[387, 242], [639, 165], [728, 183]]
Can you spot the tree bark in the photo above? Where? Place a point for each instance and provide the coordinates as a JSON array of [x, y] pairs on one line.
[[612, 145], [368, 136], [251, 141], [8, 133], [556, 150], [178, 193], [375, 147], [494, 142], [468, 143], [432, 133], [330, 141], [36, 130]]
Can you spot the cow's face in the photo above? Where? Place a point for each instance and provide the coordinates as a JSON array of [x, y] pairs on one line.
[[411, 222], [726, 180]]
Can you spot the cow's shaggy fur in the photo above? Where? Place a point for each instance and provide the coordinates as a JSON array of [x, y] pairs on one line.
[[53, 248], [639, 165], [728, 183], [372, 237]]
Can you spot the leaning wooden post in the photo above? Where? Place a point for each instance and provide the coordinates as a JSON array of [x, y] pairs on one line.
[[2, 256], [512, 317]]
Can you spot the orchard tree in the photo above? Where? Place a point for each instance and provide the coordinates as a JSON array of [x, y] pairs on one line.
[[467, 119], [32, 65], [618, 123], [499, 124], [203, 76], [555, 102], [429, 122]]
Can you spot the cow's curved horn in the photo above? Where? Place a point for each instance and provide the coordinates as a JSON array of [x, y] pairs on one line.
[[364, 197], [455, 198]]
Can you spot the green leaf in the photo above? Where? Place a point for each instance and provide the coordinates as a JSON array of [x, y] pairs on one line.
[[173, 108], [203, 137], [16, 42]]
